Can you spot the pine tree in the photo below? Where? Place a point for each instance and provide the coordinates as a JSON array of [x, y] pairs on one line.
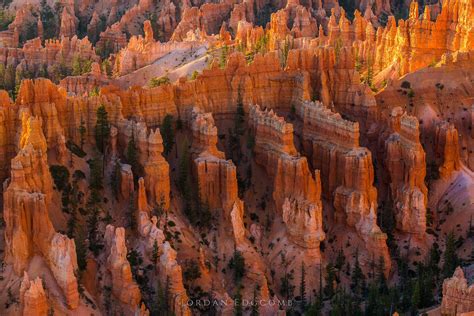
[[223, 58], [95, 181], [72, 224], [159, 304], [255, 304], [82, 133], [2, 76], [132, 211], [183, 170], [450, 258], [433, 261], [238, 311], [155, 253], [132, 159], [358, 278], [81, 249], [330, 279], [237, 264], [315, 308], [167, 133], [48, 19], [239, 116], [9, 80], [416, 296], [167, 295], [381, 281], [115, 179], [340, 260], [303, 287], [102, 129], [95, 244], [470, 232]]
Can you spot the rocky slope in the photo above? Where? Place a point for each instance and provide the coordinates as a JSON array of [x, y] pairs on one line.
[[160, 154]]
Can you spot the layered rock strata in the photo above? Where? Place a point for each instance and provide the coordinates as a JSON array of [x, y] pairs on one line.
[[447, 149], [123, 286], [347, 173], [458, 295], [217, 177], [32, 297], [297, 194], [406, 166], [29, 231]]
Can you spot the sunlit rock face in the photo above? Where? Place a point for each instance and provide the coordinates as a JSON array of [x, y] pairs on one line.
[[252, 150], [296, 192], [29, 231]]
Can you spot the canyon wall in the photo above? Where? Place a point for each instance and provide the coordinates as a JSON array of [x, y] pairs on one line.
[[406, 167], [347, 173], [297, 194], [458, 295], [27, 198]]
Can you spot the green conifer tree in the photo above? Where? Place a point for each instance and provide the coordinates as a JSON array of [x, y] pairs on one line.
[[102, 129]]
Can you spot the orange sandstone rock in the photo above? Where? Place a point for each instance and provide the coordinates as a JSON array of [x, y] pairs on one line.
[[124, 287], [69, 22], [171, 270], [29, 230], [447, 148], [458, 295], [296, 193], [217, 177], [406, 165], [347, 173], [32, 297]]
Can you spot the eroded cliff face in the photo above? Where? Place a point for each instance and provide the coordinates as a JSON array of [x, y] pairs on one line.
[[216, 177], [413, 43], [297, 194], [32, 297], [458, 295], [447, 149], [278, 54], [171, 271], [347, 173], [29, 231], [123, 286], [406, 166]]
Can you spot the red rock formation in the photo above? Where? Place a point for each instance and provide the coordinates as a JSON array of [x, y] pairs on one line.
[[458, 295], [167, 19], [217, 177], [447, 148], [29, 231], [217, 90], [335, 82], [85, 84], [157, 179], [417, 42], [32, 297], [296, 193], [33, 56], [126, 181], [142, 51], [405, 162], [347, 172], [171, 270], [208, 17], [124, 287], [112, 39], [69, 22], [43, 99], [294, 19], [93, 30]]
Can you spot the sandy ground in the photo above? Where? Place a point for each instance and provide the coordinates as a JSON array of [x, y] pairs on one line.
[[179, 63]]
